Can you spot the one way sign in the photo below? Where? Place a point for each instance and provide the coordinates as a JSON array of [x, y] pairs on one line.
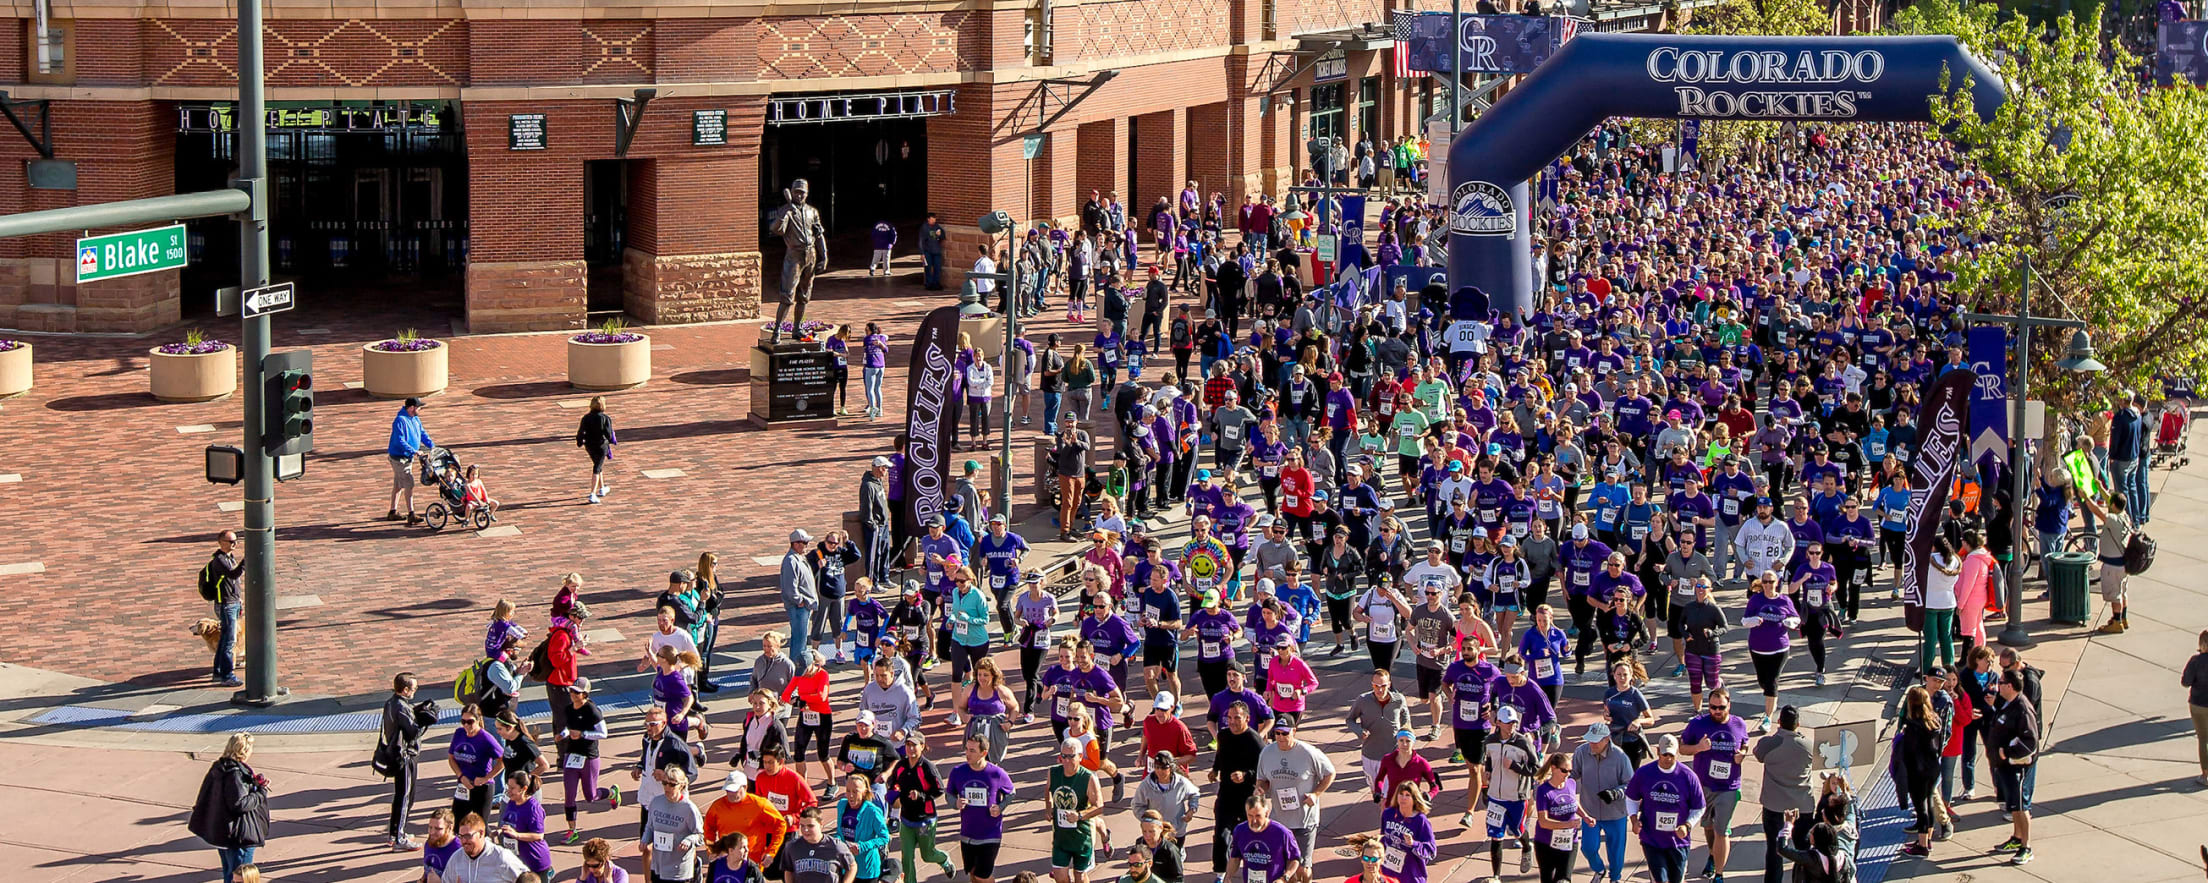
[[271, 299]]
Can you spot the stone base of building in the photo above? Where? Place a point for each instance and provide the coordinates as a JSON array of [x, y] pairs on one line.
[[677, 289], [42, 294], [526, 296]]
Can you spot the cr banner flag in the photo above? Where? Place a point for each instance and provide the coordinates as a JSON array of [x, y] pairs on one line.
[[1493, 44], [928, 416], [1944, 421], [1989, 398]]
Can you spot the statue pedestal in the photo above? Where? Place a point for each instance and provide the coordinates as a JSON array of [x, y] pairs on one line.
[[792, 385]]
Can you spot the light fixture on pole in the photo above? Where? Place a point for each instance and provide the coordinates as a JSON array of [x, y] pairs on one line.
[[2081, 355]]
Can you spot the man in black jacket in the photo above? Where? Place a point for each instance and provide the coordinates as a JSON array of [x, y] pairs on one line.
[[662, 750], [1231, 278], [2012, 747], [227, 570], [874, 519], [1154, 296], [400, 746]]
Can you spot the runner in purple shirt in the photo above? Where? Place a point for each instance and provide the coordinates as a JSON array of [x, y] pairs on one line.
[[1671, 804], [1262, 850]]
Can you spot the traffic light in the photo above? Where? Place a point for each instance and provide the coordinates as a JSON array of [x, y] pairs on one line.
[[287, 403]]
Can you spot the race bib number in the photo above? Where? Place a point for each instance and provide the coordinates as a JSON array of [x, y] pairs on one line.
[[1732, 506], [1496, 815], [1667, 820], [781, 802], [1582, 578], [1063, 708], [1290, 801], [1506, 582], [1255, 875], [1068, 818], [663, 841], [1456, 545], [1544, 667], [1291, 501], [1562, 838], [1383, 632], [996, 581], [974, 795], [912, 633], [1640, 532], [1721, 769], [1468, 709], [1392, 860], [809, 718], [575, 761], [1210, 649], [460, 792], [1519, 529], [1272, 471], [1286, 691], [1231, 433], [1490, 514], [1609, 515]]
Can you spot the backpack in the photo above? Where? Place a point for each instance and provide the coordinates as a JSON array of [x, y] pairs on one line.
[[2138, 553], [469, 686], [210, 582], [540, 661]]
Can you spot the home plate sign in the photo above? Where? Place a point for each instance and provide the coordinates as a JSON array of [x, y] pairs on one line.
[[116, 255]]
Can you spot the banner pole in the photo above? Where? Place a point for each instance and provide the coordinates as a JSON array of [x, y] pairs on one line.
[[2013, 634]]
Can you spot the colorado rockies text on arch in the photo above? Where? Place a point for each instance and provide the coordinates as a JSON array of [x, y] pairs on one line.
[[1717, 67]]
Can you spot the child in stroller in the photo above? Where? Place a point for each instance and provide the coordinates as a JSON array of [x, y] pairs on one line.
[[442, 469]]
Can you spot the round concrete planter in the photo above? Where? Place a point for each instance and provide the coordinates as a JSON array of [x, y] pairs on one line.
[[403, 374], [194, 378], [608, 366], [15, 370]]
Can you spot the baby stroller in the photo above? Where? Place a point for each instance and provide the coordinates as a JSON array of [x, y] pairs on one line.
[[442, 470], [2173, 429]]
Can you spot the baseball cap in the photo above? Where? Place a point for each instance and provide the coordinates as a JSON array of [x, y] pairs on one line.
[[800, 536], [1163, 758], [1668, 744], [1579, 531], [683, 576], [865, 716], [997, 518], [1479, 533], [1596, 732], [581, 685], [1436, 546], [1265, 585], [1506, 715], [735, 781], [933, 521], [882, 462], [1164, 701]]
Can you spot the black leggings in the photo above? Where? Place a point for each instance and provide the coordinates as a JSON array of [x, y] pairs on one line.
[[1555, 864], [1213, 675], [842, 380], [1920, 785], [822, 732], [1337, 615], [1768, 666], [1848, 565], [1383, 654], [1583, 618], [1031, 662], [1813, 633]]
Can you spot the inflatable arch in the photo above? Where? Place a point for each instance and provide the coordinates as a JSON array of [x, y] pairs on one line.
[[1597, 76]]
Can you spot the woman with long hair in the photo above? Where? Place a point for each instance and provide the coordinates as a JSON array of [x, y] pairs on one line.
[[710, 596], [1557, 818], [596, 437], [1916, 757], [521, 822], [1035, 610], [1630, 714], [874, 363], [985, 701], [1406, 833], [762, 730], [1080, 380], [840, 375], [816, 720]]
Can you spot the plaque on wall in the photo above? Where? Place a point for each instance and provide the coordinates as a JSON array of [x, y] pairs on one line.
[[708, 128], [792, 382], [525, 131]]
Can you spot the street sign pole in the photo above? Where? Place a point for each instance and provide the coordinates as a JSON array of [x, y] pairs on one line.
[[259, 621]]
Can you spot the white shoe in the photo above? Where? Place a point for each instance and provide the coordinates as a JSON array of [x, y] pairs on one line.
[[954, 720], [595, 498], [606, 491]]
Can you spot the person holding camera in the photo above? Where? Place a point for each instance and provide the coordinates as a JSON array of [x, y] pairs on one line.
[[398, 752]]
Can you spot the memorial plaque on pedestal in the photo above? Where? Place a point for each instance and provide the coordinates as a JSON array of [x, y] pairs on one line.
[[792, 382]]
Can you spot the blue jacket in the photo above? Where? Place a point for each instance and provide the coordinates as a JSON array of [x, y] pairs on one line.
[[867, 834], [407, 435]]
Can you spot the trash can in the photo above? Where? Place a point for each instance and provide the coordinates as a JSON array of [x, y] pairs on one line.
[[2068, 575]]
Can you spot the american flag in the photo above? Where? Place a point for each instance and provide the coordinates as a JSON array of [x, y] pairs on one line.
[[1571, 29], [1406, 23]]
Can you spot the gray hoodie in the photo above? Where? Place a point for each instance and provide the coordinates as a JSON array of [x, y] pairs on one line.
[[893, 706], [1378, 722]]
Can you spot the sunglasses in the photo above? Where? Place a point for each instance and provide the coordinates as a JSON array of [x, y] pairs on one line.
[[1369, 859], [470, 720]]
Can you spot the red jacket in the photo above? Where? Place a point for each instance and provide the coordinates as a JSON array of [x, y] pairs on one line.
[[560, 648], [1295, 491]]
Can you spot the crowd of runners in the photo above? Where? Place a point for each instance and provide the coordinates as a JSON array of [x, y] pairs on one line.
[[1685, 465]]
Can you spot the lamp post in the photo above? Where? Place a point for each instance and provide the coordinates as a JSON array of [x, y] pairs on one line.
[[2080, 360], [1008, 277]]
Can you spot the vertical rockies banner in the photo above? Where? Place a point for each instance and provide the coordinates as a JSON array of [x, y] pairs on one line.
[[1690, 144], [927, 469], [1989, 399], [1944, 422]]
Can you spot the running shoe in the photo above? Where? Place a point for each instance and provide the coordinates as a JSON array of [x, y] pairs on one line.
[[1027, 718], [1820, 679], [1525, 861], [954, 719], [1943, 833], [1968, 794], [1717, 878], [1456, 756], [842, 659], [1915, 849], [949, 873], [571, 838], [1338, 651], [2023, 856], [2010, 845], [1465, 820], [613, 797], [1709, 868], [1679, 670], [403, 843], [594, 498]]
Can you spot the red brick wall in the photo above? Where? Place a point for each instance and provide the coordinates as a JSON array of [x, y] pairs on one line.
[[509, 51], [1055, 164], [295, 52], [1161, 166], [1101, 30], [1101, 159], [705, 50], [1210, 143], [857, 45], [123, 150]]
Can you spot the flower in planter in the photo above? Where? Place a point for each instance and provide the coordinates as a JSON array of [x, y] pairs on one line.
[[6, 344], [612, 331], [195, 343], [407, 341]]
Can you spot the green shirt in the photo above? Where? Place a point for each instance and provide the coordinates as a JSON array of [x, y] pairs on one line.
[[1435, 393], [1409, 425]]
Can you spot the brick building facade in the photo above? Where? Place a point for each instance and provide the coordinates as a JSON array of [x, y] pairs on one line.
[[479, 138]]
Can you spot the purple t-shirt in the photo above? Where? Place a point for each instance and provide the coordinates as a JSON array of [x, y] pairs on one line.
[[435, 857], [1095, 684], [1534, 710], [1265, 854], [1410, 845], [974, 792], [877, 350], [1470, 683], [528, 817], [672, 691], [1215, 631], [1719, 770], [1770, 635], [476, 753], [1668, 801], [1067, 680]]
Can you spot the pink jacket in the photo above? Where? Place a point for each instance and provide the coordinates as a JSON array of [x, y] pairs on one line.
[[1970, 593]]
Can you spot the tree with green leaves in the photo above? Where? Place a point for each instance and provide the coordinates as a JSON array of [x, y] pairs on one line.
[[2099, 180]]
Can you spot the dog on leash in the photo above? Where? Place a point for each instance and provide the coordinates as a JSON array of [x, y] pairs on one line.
[[210, 630]]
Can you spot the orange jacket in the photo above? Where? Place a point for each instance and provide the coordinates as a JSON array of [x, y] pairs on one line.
[[750, 815]]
